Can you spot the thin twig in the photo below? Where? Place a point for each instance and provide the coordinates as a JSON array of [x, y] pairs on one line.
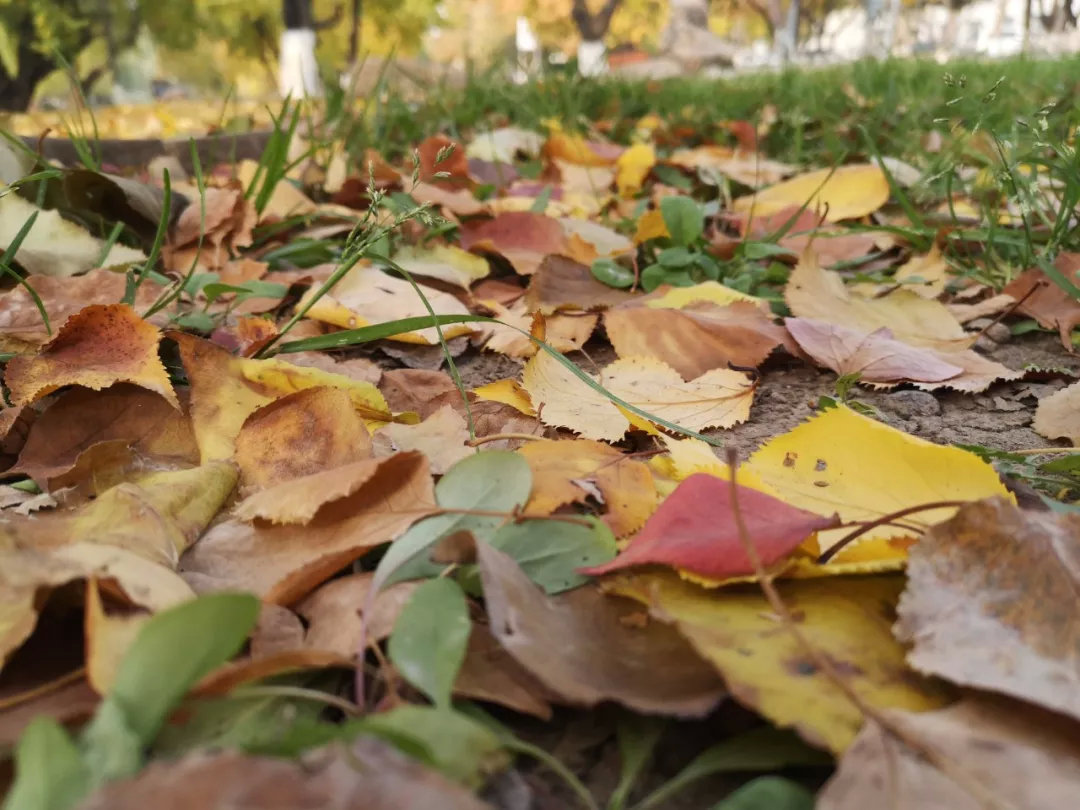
[[831, 552], [1038, 285], [43, 689], [495, 437], [298, 692]]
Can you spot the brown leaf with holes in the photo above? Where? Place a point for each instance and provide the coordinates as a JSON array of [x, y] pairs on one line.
[[601, 655], [700, 337], [997, 753], [1046, 302], [98, 347], [284, 563], [991, 599], [298, 435]]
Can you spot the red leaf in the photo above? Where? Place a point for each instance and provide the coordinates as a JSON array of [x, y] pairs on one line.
[[695, 529]]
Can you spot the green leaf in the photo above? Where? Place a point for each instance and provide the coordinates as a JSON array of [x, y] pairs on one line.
[[215, 290], [652, 277], [610, 272], [540, 204], [764, 250], [670, 176], [769, 793], [430, 635], [637, 736], [675, 257], [50, 773], [761, 749], [9, 52], [496, 480], [551, 551], [684, 218], [456, 745]]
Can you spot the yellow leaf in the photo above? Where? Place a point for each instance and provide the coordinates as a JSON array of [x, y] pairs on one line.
[[650, 225], [849, 192], [813, 292], [444, 262], [286, 200], [861, 469], [931, 268], [369, 296], [711, 291], [632, 167], [767, 669], [508, 392], [562, 400], [565, 333], [107, 639]]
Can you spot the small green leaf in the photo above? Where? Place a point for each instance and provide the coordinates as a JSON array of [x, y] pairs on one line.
[[610, 272], [50, 773], [9, 51], [652, 277], [675, 257], [670, 176], [769, 793], [430, 635], [540, 204], [764, 250], [684, 218], [550, 551], [637, 736], [215, 290]]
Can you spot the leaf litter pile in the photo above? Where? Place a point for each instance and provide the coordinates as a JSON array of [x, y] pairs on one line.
[[260, 550]]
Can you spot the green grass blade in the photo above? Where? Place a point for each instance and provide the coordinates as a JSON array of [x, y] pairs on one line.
[[135, 280], [5, 266]]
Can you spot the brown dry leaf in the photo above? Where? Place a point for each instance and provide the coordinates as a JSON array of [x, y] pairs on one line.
[[564, 333], [813, 292], [81, 418], [601, 655], [931, 268], [1058, 415], [590, 239], [441, 437], [300, 434], [990, 603], [244, 670], [454, 162], [1000, 753], [367, 296], [283, 563], [848, 192], [21, 321], [366, 775], [277, 630], [718, 398], [979, 372], [1049, 304], [225, 390], [419, 390], [98, 347], [70, 704], [747, 168], [563, 284], [522, 237], [562, 471], [226, 227], [459, 201], [334, 613], [994, 305], [834, 245], [491, 674], [695, 338]]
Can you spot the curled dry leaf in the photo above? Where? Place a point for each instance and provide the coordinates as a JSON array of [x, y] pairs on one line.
[[365, 775], [718, 398], [861, 469], [225, 219], [367, 296], [813, 292], [990, 601], [695, 530], [766, 669], [997, 753], [560, 283], [565, 472], [99, 346], [20, 320], [602, 655], [1051, 305], [848, 192], [521, 237], [696, 337], [1058, 415], [441, 437], [298, 435], [283, 563]]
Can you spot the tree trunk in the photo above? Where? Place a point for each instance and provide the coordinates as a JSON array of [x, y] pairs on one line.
[[298, 72], [16, 92], [791, 31], [593, 27]]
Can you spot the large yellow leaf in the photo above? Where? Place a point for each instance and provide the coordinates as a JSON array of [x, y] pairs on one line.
[[813, 292], [718, 398], [632, 167], [369, 296], [444, 262], [861, 469], [848, 620], [849, 192]]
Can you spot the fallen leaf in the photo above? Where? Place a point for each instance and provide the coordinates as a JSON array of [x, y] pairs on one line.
[[97, 347], [649, 669], [847, 192], [988, 751], [509, 392], [70, 704], [225, 220], [985, 604], [293, 559], [355, 368], [456, 201], [502, 145], [841, 461], [931, 268], [442, 437], [81, 418], [767, 670], [667, 297], [1058, 415], [327, 778], [335, 617], [454, 162], [695, 529], [300, 434], [632, 167], [564, 333], [748, 168], [561, 468], [419, 390], [491, 674], [697, 338], [445, 263], [598, 240], [563, 284], [578, 150], [286, 200], [107, 639], [812, 292], [522, 237], [225, 390], [368, 296], [1042, 299]]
